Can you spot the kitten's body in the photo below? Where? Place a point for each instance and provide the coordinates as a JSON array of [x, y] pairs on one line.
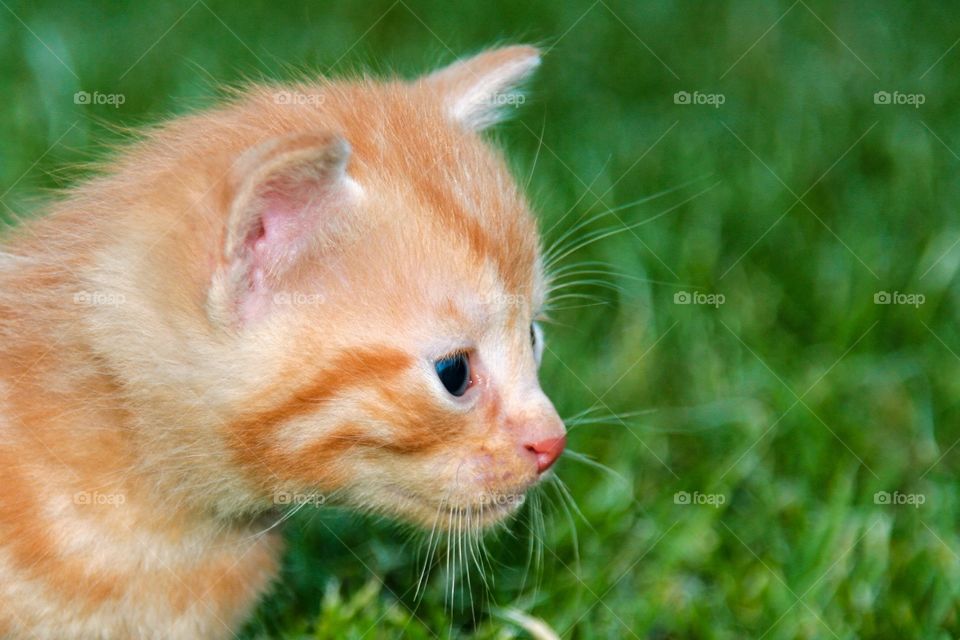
[[93, 542], [237, 308]]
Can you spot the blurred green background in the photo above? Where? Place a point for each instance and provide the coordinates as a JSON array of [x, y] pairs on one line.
[[747, 434]]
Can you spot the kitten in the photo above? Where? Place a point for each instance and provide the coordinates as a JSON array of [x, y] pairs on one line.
[[324, 289]]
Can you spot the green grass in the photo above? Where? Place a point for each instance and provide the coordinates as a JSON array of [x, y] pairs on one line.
[[796, 400]]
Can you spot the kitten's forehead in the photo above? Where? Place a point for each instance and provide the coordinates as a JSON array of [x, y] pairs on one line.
[[487, 248], [445, 180]]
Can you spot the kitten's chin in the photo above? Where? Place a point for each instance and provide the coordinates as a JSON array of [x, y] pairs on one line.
[[460, 513]]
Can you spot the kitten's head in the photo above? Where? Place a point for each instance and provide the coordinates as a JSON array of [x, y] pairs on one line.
[[380, 281]]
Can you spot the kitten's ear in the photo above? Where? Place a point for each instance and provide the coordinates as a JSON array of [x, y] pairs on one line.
[[285, 197], [477, 90]]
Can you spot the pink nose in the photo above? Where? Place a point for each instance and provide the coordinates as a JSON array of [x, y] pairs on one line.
[[547, 451]]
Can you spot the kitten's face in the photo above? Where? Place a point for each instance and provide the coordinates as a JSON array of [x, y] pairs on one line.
[[447, 415], [408, 381]]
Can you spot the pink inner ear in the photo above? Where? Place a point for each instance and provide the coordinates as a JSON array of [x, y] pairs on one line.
[[289, 193], [282, 228], [284, 225], [279, 224]]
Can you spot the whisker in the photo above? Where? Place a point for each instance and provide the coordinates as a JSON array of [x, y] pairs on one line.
[[452, 578], [596, 237], [582, 413], [283, 518], [536, 156], [464, 567], [557, 484], [541, 532], [578, 296], [530, 552], [585, 281], [590, 462], [475, 533], [583, 195], [615, 419], [650, 198], [562, 487], [602, 303], [617, 274], [569, 236], [430, 552], [562, 269]]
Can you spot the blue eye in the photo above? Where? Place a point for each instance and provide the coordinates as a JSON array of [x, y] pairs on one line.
[[454, 373]]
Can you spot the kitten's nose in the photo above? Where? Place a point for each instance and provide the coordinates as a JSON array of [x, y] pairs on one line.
[[547, 451]]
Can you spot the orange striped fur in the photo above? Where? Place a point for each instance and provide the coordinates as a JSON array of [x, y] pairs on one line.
[[247, 304]]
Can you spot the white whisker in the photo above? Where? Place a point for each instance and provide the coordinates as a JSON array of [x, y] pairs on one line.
[[605, 233]]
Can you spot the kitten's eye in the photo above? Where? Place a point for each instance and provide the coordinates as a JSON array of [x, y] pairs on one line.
[[454, 373], [536, 340]]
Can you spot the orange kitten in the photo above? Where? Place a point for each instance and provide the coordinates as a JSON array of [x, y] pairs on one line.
[[324, 289]]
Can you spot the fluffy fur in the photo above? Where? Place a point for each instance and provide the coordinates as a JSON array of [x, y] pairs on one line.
[[245, 310]]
